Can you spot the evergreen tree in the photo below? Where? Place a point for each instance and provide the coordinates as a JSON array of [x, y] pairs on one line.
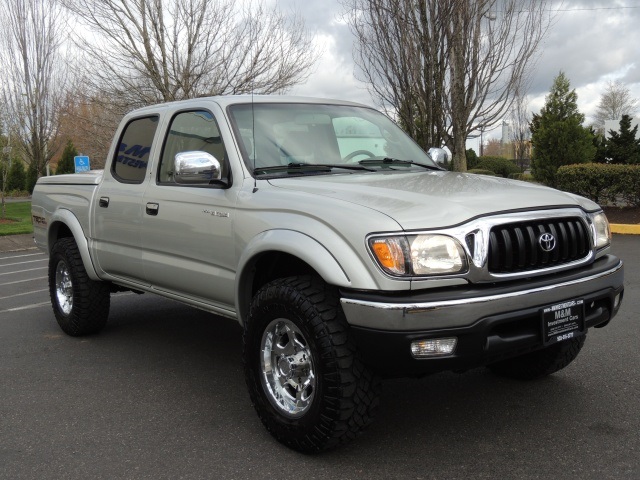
[[557, 134], [67, 162], [32, 177], [623, 147], [17, 177]]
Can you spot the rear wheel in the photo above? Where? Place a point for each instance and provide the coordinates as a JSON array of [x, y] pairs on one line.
[[80, 305], [541, 362], [305, 378]]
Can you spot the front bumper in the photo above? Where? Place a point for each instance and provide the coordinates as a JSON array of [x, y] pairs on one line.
[[491, 322]]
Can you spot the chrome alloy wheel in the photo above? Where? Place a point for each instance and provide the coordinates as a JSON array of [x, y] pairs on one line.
[[288, 375], [64, 288]]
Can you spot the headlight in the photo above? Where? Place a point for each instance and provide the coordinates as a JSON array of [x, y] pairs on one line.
[[602, 232], [419, 255]]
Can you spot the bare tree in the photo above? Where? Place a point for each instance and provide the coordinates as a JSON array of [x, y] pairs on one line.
[[401, 56], [459, 60], [493, 148], [86, 122], [148, 51], [615, 102], [520, 133], [34, 76]]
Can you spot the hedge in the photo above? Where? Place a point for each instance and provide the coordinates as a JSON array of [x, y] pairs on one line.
[[525, 177], [501, 166], [480, 171], [603, 183]]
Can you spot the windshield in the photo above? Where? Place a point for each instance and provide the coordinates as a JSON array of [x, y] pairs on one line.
[[281, 135]]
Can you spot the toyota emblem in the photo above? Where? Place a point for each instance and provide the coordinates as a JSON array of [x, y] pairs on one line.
[[547, 242]]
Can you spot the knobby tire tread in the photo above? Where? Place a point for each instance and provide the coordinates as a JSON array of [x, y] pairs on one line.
[[350, 398], [91, 299]]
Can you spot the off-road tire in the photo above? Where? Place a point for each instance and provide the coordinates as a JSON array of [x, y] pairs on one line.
[[345, 394], [540, 363], [80, 305]]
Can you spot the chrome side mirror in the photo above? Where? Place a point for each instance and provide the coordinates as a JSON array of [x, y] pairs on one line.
[[196, 168], [439, 155]]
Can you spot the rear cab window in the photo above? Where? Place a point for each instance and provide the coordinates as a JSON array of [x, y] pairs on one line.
[[132, 155]]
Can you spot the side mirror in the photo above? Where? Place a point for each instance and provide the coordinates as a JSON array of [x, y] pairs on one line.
[[439, 155], [196, 168]]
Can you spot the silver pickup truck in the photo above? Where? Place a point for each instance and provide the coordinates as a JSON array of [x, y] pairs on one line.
[[345, 252]]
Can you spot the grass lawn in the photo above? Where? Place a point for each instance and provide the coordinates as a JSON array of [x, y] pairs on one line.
[[17, 219]]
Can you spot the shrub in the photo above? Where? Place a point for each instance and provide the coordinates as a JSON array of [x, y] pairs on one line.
[[525, 177], [472, 158], [602, 183], [480, 171], [501, 166]]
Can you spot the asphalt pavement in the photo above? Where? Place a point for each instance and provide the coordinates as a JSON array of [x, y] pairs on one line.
[[160, 394]]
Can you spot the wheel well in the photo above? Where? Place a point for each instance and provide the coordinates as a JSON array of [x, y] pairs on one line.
[[273, 265], [265, 268], [57, 231]]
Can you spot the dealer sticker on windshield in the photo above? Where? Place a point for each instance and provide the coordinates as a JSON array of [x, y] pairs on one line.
[[562, 321]]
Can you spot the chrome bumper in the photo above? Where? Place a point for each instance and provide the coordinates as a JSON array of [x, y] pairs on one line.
[[463, 307]]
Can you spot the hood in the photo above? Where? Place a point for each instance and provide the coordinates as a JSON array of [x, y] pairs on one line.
[[426, 200]]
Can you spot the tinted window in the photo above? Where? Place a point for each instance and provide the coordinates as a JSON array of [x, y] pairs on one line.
[[189, 132], [132, 156]]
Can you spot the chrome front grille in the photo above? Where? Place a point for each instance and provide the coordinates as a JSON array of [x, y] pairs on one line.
[[523, 246]]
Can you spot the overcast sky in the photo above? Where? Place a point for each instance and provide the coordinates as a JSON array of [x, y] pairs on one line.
[[592, 41]]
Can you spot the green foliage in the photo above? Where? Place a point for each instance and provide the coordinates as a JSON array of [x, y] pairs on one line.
[[601, 146], [32, 178], [472, 158], [21, 213], [526, 177], [17, 176], [557, 134], [480, 171], [499, 165], [67, 162], [622, 146], [602, 183]]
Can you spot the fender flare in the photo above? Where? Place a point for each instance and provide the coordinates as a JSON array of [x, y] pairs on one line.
[[291, 242], [68, 219]]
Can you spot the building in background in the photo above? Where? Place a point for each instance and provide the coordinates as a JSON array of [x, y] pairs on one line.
[[615, 125]]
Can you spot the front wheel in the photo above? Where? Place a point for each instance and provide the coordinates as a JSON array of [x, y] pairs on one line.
[[540, 363], [80, 305], [305, 378]]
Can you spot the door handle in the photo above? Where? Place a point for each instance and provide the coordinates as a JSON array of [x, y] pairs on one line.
[[103, 202], [152, 208]]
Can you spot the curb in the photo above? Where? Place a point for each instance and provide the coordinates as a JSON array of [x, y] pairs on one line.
[[17, 243], [625, 229]]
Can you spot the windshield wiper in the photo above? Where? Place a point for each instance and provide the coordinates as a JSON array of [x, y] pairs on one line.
[[308, 167], [395, 161]]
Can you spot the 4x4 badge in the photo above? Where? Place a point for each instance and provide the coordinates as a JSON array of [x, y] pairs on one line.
[[547, 242]]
